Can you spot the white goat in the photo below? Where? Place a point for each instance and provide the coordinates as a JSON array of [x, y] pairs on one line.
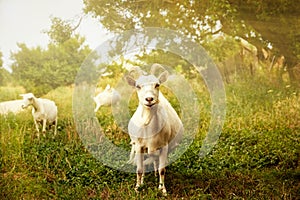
[[155, 128], [14, 107], [43, 110], [106, 98]]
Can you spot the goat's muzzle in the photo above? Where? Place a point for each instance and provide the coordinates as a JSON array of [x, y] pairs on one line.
[[151, 102], [23, 106]]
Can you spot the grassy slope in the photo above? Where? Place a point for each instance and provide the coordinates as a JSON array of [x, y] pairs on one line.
[[257, 156]]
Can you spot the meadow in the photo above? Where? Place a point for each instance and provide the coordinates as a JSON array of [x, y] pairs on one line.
[[256, 157]]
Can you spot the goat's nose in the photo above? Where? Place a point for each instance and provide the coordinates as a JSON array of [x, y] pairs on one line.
[[149, 99]]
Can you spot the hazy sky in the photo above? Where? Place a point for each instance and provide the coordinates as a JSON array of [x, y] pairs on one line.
[[23, 21]]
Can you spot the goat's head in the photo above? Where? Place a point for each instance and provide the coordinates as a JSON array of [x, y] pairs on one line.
[[27, 99], [147, 87]]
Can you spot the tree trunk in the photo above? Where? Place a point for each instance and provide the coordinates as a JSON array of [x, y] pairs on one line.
[[280, 29]]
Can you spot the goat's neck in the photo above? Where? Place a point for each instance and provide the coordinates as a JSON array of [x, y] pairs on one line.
[[35, 105], [147, 113]]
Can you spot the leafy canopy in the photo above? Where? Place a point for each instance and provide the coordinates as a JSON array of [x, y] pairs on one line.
[[262, 23]]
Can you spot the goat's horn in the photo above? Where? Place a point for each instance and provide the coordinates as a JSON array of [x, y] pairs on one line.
[[136, 72]]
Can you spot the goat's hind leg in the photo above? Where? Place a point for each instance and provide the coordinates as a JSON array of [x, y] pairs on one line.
[[155, 167], [44, 126]]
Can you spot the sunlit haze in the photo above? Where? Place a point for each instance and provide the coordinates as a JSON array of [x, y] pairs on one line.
[[25, 21]]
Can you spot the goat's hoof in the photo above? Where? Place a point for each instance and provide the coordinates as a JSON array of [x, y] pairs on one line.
[[163, 191], [137, 189]]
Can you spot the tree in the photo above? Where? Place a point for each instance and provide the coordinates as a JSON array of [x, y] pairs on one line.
[[259, 22], [41, 70], [60, 30], [277, 22], [5, 76], [194, 18]]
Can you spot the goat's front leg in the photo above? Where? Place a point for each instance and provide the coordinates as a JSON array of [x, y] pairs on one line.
[[132, 154], [97, 107], [37, 128], [139, 169], [162, 170], [55, 126]]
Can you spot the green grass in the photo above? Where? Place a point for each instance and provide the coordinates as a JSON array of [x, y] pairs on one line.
[[256, 157], [10, 93]]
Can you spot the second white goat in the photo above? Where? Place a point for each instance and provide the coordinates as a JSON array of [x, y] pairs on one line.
[[14, 107], [43, 111], [106, 98]]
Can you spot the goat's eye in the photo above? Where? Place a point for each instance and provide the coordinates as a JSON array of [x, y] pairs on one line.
[[156, 85], [138, 87]]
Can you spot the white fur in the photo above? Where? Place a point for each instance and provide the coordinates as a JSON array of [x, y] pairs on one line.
[[155, 128], [14, 107], [106, 98], [43, 110]]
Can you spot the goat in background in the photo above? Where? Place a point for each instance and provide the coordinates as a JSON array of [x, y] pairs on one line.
[[107, 97], [43, 110]]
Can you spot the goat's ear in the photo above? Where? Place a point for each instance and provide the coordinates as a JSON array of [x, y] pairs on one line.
[[130, 80], [163, 76], [107, 87]]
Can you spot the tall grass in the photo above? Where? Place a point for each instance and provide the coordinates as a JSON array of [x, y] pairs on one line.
[[10, 93], [256, 157]]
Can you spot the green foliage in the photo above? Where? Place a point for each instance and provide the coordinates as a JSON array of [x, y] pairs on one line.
[[259, 22], [188, 17], [268, 8], [41, 70], [11, 93], [216, 47], [5, 77], [60, 31]]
